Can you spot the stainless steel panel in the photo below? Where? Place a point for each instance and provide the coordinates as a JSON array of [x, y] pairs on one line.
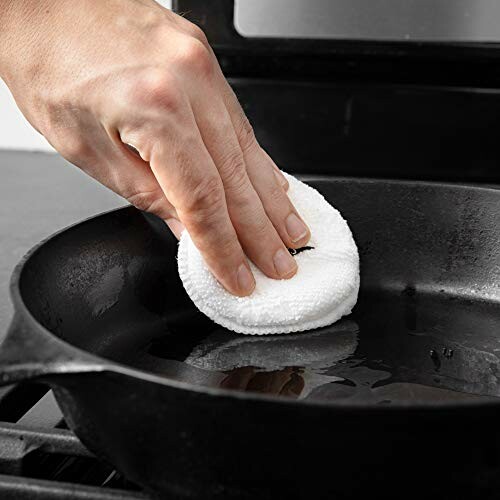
[[426, 20]]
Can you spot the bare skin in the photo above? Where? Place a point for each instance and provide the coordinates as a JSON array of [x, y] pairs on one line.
[[97, 77]]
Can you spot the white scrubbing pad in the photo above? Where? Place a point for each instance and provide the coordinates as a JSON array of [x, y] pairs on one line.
[[324, 289]]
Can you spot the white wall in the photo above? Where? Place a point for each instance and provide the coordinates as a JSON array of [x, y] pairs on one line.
[[15, 131]]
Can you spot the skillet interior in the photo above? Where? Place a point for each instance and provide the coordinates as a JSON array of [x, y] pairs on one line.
[[425, 328]]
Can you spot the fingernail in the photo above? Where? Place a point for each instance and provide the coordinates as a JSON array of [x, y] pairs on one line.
[[295, 228], [246, 282], [284, 263], [176, 227]]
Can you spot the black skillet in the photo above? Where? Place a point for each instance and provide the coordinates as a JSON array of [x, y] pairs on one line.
[[398, 399]]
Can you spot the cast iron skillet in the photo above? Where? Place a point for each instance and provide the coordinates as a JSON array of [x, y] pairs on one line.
[[374, 404]]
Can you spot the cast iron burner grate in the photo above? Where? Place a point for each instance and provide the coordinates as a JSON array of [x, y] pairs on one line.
[[41, 459]]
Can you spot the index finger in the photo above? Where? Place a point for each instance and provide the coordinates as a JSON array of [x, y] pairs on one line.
[[196, 190], [187, 175]]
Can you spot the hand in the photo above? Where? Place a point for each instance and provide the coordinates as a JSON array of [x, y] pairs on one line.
[[94, 77]]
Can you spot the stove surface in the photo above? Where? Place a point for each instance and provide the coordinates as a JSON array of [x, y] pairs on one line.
[[41, 459]]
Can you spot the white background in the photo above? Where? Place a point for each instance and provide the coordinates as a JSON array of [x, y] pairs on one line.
[[15, 131]]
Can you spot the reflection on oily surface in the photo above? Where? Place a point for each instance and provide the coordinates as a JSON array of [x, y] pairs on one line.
[[286, 382], [318, 349], [287, 365], [394, 348]]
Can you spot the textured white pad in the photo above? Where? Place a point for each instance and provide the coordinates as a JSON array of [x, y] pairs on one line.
[[324, 289]]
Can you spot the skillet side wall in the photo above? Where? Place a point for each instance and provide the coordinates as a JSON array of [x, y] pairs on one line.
[[108, 283], [431, 237], [196, 446]]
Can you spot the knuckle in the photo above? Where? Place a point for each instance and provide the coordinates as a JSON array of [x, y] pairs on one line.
[[233, 171], [157, 88], [260, 227], [276, 194], [248, 214], [149, 201], [197, 33], [227, 249], [206, 198], [255, 229], [194, 56]]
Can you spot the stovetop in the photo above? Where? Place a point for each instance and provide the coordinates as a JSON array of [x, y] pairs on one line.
[[39, 457]]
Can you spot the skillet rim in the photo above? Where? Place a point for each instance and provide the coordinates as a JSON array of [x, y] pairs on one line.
[[103, 365]]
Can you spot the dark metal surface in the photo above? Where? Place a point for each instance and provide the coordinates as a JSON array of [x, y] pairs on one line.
[[393, 131], [17, 440], [456, 64], [40, 459], [429, 258], [15, 488]]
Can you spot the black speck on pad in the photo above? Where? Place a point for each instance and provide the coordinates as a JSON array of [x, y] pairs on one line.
[[295, 251]]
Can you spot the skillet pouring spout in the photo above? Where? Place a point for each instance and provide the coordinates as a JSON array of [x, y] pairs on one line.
[[29, 352]]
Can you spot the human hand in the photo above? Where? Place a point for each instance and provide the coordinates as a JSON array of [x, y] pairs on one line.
[[94, 77]]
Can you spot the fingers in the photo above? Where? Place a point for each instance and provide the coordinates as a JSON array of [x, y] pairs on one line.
[[188, 177], [265, 176], [200, 201], [154, 115], [288, 223], [267, 181], [176, 226], [255, 231], [234, 108], [137, 184], [201, 205], [170, 214], [226, 191], [119, 167]]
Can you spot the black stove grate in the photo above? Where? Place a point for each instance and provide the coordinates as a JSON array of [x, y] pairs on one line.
[[41, 459]]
